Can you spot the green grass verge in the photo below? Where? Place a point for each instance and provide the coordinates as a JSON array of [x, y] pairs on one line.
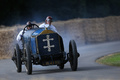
[[112, 60]]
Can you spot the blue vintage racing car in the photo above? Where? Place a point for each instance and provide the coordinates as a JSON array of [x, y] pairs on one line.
[[44, 47]]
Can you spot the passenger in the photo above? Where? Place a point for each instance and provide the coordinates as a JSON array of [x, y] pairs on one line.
[[20, 35], [48, 21]]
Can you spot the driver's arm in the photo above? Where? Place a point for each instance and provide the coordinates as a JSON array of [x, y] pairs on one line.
[[19, 36], [42, 25]]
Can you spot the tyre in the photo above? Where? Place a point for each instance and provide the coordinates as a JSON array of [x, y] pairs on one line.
[[17, 58], [73, 55], [61, 66], [28, 61]]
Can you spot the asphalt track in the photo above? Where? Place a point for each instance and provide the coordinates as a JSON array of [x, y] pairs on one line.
[[88, 69]]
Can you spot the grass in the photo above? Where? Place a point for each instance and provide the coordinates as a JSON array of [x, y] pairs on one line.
[[112, 60]]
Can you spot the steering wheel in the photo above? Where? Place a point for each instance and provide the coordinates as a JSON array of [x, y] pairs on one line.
[[33, 26]]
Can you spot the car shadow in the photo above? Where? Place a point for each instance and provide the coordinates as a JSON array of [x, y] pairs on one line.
[[49, 71]]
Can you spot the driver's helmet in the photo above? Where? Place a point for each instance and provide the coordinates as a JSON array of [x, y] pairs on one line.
[[49, 18], [29, 24]]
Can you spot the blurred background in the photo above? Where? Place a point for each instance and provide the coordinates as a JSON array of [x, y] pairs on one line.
[[85, 21], [20, 11]]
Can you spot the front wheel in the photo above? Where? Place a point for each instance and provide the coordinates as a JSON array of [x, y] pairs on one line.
[[73, 55], [28, 61]]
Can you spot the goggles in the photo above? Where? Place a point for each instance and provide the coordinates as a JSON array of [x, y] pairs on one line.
[[49, 20]]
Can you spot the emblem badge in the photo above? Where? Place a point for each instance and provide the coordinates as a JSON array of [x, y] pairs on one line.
[[48, 39]]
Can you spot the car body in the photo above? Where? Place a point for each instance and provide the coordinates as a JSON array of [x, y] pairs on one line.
[[44, 44], [44, 47]]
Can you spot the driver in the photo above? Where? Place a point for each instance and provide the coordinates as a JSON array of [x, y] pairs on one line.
[[20, 35], [48, 21]]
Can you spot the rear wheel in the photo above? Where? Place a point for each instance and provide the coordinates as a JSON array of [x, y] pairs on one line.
[[28, 61], [17, 58], [73, 55], [61, 66]]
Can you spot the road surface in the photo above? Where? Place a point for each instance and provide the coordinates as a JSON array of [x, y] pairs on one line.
[[88, 69]]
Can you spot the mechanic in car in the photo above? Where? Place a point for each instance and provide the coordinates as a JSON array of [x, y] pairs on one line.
[[20, 35], [48, 21]]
